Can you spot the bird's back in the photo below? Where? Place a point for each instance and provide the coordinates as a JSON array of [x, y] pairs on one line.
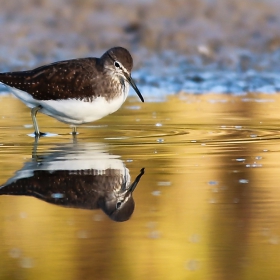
[[77, 79]]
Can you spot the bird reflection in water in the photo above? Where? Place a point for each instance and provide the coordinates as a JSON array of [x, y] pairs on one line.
[[81, 176]]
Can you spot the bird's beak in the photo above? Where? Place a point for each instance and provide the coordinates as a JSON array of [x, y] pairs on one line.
[[130, 80]]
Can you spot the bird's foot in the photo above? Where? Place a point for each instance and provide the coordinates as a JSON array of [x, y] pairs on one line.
[[74, 130], [40, 134]]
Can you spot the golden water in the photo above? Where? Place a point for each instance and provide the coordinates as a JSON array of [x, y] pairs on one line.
[[207, 207]]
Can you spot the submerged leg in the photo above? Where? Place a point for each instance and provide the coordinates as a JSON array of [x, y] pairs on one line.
[[35, 124]]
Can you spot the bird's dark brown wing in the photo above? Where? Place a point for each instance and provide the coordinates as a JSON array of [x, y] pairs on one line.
[[78, 188], [77, 78]]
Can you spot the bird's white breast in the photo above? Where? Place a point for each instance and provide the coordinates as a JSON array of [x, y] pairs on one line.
[[74, 111]]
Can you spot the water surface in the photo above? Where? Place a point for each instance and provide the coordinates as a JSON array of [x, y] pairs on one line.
[[207, 207]]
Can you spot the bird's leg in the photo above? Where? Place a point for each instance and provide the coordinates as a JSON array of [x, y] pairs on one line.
[[74, 130], [74, 134], [35, 124]]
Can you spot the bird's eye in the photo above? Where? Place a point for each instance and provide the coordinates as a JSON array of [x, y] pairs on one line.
[[117, 64], [118, 205]]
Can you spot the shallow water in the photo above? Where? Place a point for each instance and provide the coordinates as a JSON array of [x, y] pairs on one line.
[[207, 207]]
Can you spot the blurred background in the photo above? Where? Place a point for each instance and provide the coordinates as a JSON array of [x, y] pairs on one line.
[[185, 43], [231, 33]]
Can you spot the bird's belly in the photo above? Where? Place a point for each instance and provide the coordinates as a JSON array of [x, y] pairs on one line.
[[73, 111]]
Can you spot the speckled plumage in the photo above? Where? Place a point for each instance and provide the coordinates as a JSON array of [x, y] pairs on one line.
[[95, 81], [84, 189], [83, 79], [80, 188]]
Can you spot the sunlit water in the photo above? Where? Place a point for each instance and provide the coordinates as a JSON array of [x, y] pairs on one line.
[[207, 207]]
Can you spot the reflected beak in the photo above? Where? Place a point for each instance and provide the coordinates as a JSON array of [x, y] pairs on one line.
[[130, 80], [136, 181]]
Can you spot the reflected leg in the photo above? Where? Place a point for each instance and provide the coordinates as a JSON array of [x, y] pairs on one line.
[[34, 149]]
